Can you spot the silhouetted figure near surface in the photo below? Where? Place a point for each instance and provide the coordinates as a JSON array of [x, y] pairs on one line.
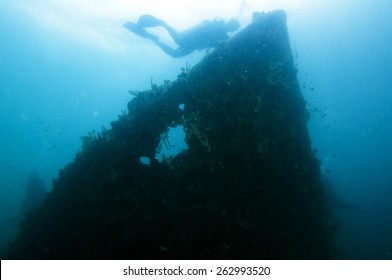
[[206, 34], [35, 192]]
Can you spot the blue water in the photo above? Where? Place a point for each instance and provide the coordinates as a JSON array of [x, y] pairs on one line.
[[66, 70]]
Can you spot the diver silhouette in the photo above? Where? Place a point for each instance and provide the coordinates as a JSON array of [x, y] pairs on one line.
[[206, 34], [35, 192]]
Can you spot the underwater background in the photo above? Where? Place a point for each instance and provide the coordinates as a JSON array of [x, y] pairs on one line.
[[66, 68]]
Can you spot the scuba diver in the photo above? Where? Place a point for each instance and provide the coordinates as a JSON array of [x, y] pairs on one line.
[[35, 192], [206, 34]]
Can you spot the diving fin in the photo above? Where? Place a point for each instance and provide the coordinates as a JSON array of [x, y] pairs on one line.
[[149, 21]]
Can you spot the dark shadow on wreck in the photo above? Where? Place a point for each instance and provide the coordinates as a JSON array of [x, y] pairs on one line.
[[248, 187]]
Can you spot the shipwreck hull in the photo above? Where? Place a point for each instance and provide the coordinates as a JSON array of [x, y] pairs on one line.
[[247, 187]]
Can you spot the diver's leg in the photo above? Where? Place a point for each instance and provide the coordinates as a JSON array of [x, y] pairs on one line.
[[173, 33], [167, 49], [151, 21], [176, 53], [139, 31]]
